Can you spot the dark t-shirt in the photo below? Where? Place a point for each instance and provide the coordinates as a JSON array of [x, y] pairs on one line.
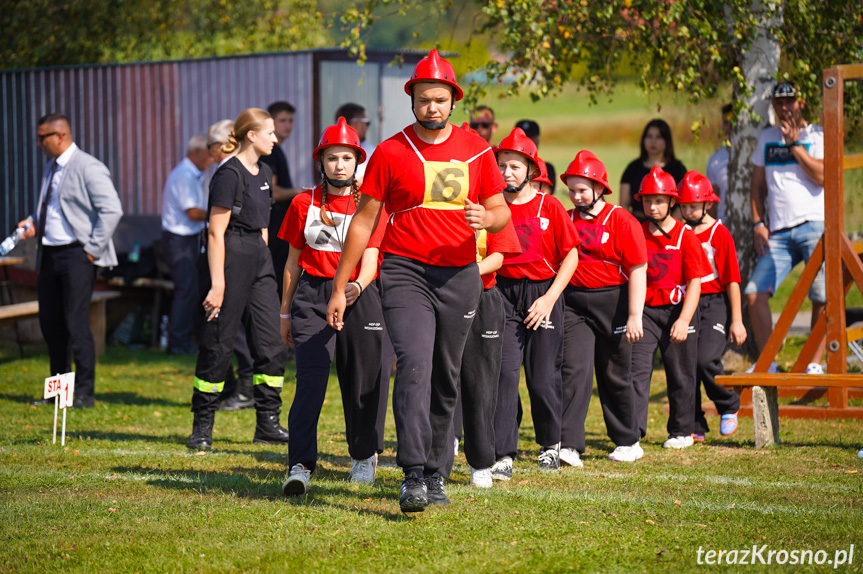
[[256, 197], [636, 171]]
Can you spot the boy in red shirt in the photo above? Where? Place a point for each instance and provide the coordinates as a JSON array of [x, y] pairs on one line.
[[676, 264], [719, 310]]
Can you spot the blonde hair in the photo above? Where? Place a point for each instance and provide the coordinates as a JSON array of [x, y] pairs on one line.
[[249, 120]]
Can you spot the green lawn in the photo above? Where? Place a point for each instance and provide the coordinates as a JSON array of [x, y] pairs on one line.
[[125, 495]]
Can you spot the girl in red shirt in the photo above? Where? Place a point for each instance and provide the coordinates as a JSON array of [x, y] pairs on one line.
[[676, 264], [531, 284], [604, 302], [719, 310], [315, 227]]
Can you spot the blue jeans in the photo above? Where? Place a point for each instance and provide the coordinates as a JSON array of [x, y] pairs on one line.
[[788, 247]]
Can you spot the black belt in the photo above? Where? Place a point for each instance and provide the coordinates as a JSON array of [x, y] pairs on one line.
[[57, 248]]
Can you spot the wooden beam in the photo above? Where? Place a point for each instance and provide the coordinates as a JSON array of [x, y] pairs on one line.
[[851, 71], [798, 412], [790, 380], [852, 161]]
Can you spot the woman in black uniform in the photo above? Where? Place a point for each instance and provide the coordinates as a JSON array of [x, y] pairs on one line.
[[657, 148], [241, 281]]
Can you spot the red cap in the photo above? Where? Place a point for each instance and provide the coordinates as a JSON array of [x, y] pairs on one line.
[[340, 134], [434, 69], [657, 182], [543, 173], [695, 188], [517, 142], [588, 166]]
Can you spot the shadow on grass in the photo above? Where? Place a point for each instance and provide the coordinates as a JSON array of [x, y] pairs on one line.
[[173, 439], [259, 484], [134, 399]]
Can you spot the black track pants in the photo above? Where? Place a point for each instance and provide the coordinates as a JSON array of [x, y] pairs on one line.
[[715, 320], [680, 363], [480, 373], [357, 350], [428, 311], [595, 339], [541, 352], [250, 289]]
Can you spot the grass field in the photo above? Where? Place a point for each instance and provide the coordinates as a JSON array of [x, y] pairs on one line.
[[125, 495]]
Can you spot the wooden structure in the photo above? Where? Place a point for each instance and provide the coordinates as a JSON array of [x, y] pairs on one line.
[[98, 312], [843, 268]]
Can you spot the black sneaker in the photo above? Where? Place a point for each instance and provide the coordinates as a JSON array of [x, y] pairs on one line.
[[502, 469], [549, 458], [414, 495], [436, 493]]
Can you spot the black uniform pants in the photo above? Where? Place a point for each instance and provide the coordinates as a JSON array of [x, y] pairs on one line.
[[64, 289], [715, 319], [250, 290], [595, 339], [181, 253], [480, 373], [680, 364], [357, 349], [428, 311], [541, 352]]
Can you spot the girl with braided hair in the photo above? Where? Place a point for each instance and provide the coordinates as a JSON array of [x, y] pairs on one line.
[[315, 227]]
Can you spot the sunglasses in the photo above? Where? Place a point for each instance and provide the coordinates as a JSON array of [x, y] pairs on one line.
[[360, 120], [43, 137], [483, 125]]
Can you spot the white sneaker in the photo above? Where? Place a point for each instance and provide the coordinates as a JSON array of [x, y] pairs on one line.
[[502, 469], [814, 369], [480, 477], [298, 481], [570, 456], [679, 442], [364, 470], [627, 453], [455, 446], [774, 368]]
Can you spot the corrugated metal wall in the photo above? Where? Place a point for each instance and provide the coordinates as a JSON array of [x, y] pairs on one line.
[[136, 118]]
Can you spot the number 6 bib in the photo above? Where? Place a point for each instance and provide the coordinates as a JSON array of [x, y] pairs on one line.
[[447, 184]]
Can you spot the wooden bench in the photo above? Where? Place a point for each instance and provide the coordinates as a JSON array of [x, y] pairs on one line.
[[98, 305]]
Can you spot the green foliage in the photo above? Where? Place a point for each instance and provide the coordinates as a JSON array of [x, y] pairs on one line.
[[47, 33]]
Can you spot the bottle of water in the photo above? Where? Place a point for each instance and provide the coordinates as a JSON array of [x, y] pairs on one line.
[[135, 254], [10, 242], [163, 333]]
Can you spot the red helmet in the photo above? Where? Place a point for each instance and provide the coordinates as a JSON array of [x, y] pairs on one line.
[[543, 173], [588, 166], [517, 142], [657, 182], [695, 188], [466, 127], [340, 134], [434, 69]]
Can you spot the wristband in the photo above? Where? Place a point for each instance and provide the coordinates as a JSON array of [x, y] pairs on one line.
[[285, 315], [360, 285], [757, 225]]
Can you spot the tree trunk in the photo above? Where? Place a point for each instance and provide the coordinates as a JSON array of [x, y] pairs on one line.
[[759, 63]]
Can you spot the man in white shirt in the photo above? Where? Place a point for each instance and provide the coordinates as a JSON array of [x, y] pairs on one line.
[[184, 210], [717, 165], [789, 173]]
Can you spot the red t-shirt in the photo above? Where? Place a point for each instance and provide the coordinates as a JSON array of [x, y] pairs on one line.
[[426, 199], [672, 263], [505, 241], [611, 244], [321, 245], [722, 255], [546, 234]]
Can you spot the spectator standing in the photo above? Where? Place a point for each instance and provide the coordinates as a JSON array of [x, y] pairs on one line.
[[657, 149], [74, 221], [717, 165], [482, 122], [789, 172], [283, 186], [184, 210]]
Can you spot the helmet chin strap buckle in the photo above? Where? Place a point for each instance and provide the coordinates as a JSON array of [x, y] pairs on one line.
[[338, 182], [696, 222], [513, 189], [431, 126], [585, 209], [656, 221]]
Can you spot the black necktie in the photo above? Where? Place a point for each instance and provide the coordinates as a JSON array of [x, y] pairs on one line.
[[43, 213]]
